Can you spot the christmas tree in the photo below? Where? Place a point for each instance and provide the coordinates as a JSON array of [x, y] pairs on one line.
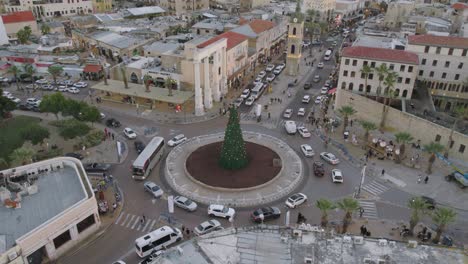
[[233, 153]]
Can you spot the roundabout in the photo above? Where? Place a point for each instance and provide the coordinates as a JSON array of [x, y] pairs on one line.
[[190, 171]]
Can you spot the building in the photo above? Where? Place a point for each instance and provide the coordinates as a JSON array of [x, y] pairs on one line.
[[348, 8], [398, 13], [144, 11], [325, 8], [247, 5], [13, 22], [459, 17], [47, 208], [443, 64], [295, 37], [100, 6], [51, 8], [208, 27], [3, 34], [183, 7], [404, 63]]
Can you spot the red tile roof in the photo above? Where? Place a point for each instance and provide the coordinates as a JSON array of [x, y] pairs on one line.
[[381, 54], [453, 42], [92, 68], [242, 21], [259, 25], [233, 39], [458, 6], [17, 17]]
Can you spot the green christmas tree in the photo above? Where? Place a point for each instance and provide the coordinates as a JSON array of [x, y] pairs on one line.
[[233, 154]]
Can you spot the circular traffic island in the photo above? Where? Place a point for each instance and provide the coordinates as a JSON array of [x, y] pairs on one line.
[[203, 165]]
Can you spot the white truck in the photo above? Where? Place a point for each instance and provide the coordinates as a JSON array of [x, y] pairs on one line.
[[290, 127]]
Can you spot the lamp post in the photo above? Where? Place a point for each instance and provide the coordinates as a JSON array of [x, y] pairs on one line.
[[363, 177]]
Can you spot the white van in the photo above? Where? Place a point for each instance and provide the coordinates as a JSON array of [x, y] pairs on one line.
[[290, 127], [157, 240]]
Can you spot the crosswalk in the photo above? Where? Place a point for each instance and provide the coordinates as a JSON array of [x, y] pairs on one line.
[[375, 188], [276, 122], [133, 222], [370, 210]]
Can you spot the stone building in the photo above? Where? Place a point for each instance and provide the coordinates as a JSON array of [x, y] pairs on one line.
[[51, 8], [183, 7], [295, 37]]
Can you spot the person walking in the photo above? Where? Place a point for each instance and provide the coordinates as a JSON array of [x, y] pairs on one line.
[[361, 212], [426, 179], [113, 136], [144, 218], [383, 172]]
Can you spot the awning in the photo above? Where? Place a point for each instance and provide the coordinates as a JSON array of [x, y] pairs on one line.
[[92, 68], [332, 91]]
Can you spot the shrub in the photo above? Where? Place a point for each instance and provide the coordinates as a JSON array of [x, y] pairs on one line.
[[93, 139], [34, 133], [71, 128]]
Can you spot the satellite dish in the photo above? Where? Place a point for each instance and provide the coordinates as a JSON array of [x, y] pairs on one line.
[[295, 20]]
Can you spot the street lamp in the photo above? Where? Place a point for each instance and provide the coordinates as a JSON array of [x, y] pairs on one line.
[[363, 176]]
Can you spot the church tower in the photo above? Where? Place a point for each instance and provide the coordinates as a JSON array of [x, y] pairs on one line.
[[295, 37]]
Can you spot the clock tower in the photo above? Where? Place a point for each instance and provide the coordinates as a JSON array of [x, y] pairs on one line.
[[295, 37]]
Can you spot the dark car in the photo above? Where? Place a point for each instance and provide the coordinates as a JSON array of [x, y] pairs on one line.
[[139, 146], [267, 213], [112, 122], [429, 201], [307, 85], [96, 167], [74, 155], [319, 169]]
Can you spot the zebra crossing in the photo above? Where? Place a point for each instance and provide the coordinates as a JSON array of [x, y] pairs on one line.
[[133, 222], [277, 122], [375, 188], [370, 210]]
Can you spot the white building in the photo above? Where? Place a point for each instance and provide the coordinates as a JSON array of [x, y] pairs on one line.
[[324, 7], [51, 8], [443, 67], [404, 63], [47, 208]]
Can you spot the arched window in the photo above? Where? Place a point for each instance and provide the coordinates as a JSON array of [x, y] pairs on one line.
[[350, 87], [396, 93], [361, 87], [368, 88], [293, 49], [343, 85], [294, 31], [405, 93]]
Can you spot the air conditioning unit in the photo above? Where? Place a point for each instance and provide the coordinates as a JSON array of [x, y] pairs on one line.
[[307, 260], [368, 261], [392, 244], [383, 242], [358, 240], [347, 239], [12, 256], [412, 243], [297, 233]]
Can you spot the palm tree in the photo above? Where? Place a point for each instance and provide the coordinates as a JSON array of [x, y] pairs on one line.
[[366, 70], [460, 113], [29, 71], [15, 71], [402, 138], [348, 205], [124, 76], [418, 206], [432, 148], [381, 71], [346, 111], [389, 82], [442, 217], [368, 126], [55, 71], [170, 85], [22, 156], [324, 205], [146, 81]]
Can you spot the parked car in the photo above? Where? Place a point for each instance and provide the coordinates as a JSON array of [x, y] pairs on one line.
[[304, 132], [238, 102], [42, 81], [250, 101], [316, 78], [306, 99], [15, 100], [257, 80], [307, 150], [62, 88], [96, 167], [319, 168], [185, 203], [207, 226], [177, 140], [295, 200], [151, 258], [337, 176], [277, 70], [154, 189], [129, 133], [48, 87], [301, 112], [288, 113], [265, 214], [306, 43], [262, 74], [80, 85], [271, 77], [329, 157], [281, 66], [290, 127], [245, 94], [324, 91], [318, 100], [74, 155], [73, 90], [6, 94], [320, 65], [112, 122], [33, 101], [139, 146], [270, 67], [221, 211]]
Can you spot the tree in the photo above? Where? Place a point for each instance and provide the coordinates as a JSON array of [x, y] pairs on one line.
[[460, 113], [54, 103], [366, 70], [3, 164], [73, 108], [35, 133], [22, 36], [55, 71], [22, 156], [147, 81], [124, 76], [381, 71], [418, 206], [6, 105], [324, 205], [233, 153], [368, 126], [348, 205], [29, 71], [91, 114], [45, 29], [346, 111], [442, 217], [389, 82], [169, 83], [402, 138], [432, 148], [15, 71]]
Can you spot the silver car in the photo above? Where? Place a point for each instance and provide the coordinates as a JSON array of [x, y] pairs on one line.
[[154, 189], [207, 226], [185, 203]]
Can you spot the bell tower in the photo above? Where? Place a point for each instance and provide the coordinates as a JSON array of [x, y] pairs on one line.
[[295, 37]]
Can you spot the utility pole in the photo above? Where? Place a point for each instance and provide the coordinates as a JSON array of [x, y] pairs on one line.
[[363, 177]]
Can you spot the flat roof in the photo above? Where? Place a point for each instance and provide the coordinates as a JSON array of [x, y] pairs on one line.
[[115, 40], [57, 191]]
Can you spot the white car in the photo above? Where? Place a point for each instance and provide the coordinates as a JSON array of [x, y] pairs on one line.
[[270, 67], [238, 102], [303, 132], [337, 176], [290, 127], [80, 85], [33, 101], [301, 112], [318, 100], [185, 203], [327, 83], [62, 88], [67, 82], [6, 94], [15, 100], [277, 70], [49, 87], [245, 93], [329, 157], [316, 78], [129, 133], [250, 101], [306, 99], [271, 77], [324, 90], [295, 200], [262, 74], [307, 150], [179, 139], [306, 43], [42, 81], [207, 227], [281, 66], [257, 80], [320, 65], [288, 113], [73, 90], [154, 189], [221, 211]]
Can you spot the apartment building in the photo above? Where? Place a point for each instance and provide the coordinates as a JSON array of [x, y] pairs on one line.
[[443, 67], [51, 8], [15, 21], [404, 63], [325, 8], [184, 7]]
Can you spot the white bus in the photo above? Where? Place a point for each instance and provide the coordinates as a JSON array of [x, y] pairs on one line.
[[148, 158], [327, 55], [157, 240], [257, 90]]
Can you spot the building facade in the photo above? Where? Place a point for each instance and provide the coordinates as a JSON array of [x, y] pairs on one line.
[[325, 8], [247, 5], [101, 6], [51, 8], [404, 63], [15, 21], [183, 7], [295, 37], [443, 67]]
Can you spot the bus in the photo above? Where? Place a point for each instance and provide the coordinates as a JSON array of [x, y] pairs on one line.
[[328, 54], [257, 90], [157, 240], [148, 158]]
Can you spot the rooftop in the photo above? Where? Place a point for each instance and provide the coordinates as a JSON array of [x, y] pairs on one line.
[[233, 39], [160, 47], [253, 28], [141, 11], [460, 6], [381, 54], [209, 24], [115, 40], [43, 196], [442, 41], [18, 17]]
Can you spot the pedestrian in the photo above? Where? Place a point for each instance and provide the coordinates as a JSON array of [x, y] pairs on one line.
[[187, 231], [113, 136], [269, 115], [144, 218], [351, 123], [419, 179], [114, 206], [105, 131], [299, 218], [183, 229], [142, 221], [383, 172], [362, 230], [361, 211], [426, 179], [312, 64]]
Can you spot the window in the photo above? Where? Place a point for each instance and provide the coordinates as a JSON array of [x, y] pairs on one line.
[[434, 63], [365, 63], [62, 239], [410, 68], [343, 85], [407, 80], [457, 76], [402, 68], [450, 52], [423, 62], [464, 52], [447, 64], [85, 223], [451, 143], [345, 73], [371, 76], [431, 74], [437, 139], [426, 49], [400, 79], [353, 74], [346, 62], [421, 72], [462, 148], [460, 65], [392, 67], [294, 31], [354, 62], [372, 64], [438, 50], [363, 76], [293, 49]]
